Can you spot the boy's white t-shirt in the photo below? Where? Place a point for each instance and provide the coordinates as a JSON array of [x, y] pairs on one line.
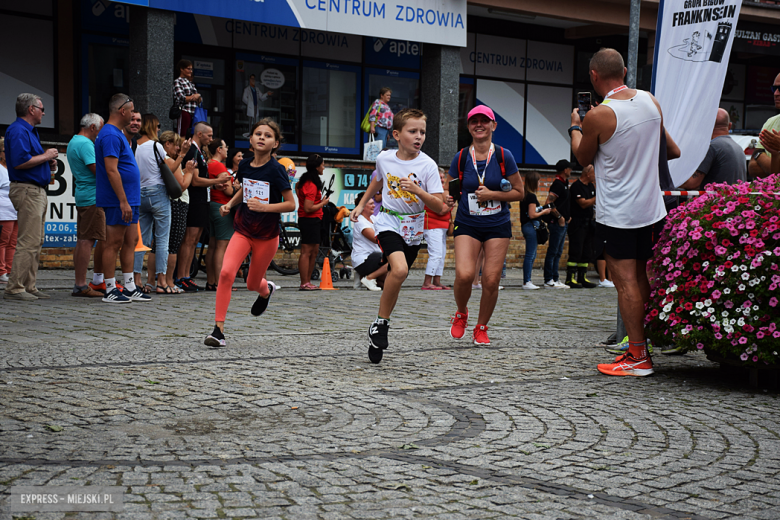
[[362, 246], [390, 169]]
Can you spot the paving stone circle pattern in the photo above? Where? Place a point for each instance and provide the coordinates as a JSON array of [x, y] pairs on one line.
[[292, 421]]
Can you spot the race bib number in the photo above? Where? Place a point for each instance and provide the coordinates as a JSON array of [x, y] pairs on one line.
[[489, 207], [260, 190], [411, 228]]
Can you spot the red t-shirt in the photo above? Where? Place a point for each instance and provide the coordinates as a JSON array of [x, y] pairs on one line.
[[215, 168], [434, 221], [309, 191]]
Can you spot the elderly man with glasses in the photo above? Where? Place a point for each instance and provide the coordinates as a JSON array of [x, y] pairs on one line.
[[30, 169]]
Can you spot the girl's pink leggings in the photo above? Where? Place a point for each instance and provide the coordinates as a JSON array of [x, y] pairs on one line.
[[263, 251]]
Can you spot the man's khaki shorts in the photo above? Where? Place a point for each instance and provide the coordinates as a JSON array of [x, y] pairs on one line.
[[90, 223]]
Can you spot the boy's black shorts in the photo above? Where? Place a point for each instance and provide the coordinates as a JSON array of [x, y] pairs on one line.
[[390, 242]]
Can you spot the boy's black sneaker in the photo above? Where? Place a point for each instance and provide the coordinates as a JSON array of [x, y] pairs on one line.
[[215, 339], [261, 304], [377, 333]]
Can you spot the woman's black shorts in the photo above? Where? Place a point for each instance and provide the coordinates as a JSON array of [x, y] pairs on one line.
[[310, 229]]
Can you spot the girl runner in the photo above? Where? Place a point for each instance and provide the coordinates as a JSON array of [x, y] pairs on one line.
[[265, 194]]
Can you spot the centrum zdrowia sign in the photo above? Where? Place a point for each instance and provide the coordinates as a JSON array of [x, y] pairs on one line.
[[430, 21]]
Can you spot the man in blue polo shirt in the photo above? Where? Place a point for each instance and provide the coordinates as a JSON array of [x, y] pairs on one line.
[[118, 192], [29, 170]]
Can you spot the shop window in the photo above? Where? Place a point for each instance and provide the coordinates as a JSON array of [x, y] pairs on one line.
[[26, 63], [106, 73], [466, 101], [275, 79], [507, 100], [547, 118], [404, 85], [329, 118], [209, 77]]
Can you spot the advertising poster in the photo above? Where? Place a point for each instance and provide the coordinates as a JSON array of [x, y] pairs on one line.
[[61, 214], [692, 48]]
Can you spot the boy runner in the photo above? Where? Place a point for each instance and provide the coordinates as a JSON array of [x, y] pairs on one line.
[[409, 181]]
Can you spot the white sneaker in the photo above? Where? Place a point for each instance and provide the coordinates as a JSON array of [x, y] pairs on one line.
[[607, 284], [500, 287], [356, 282], [370, 284], [4, 278], [560, 285], [549, 283], [530, 286]]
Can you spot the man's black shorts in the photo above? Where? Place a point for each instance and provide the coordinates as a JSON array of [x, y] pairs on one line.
[[372, 262], [632, 244], [390, 242]]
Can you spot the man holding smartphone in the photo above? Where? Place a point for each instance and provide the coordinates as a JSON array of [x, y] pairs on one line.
[[622, 138]]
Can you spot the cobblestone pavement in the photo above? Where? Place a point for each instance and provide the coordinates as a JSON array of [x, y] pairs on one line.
[[292, 420]]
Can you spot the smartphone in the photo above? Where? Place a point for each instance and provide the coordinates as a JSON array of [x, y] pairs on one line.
[[454, 188], [583, 103]]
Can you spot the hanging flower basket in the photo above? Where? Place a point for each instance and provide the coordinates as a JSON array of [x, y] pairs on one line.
[[715, 275]]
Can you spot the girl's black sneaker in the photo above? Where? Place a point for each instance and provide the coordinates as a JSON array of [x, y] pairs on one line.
[[216, 339]]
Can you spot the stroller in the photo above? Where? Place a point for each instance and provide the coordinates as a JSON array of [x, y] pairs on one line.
[[335, 240]]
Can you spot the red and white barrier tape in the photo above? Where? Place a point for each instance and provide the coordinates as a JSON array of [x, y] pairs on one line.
[[686, 193], [698, 193]]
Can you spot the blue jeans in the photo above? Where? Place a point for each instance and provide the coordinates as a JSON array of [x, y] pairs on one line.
[[554, 251], [529, 233], [155, 219], [381, 135]]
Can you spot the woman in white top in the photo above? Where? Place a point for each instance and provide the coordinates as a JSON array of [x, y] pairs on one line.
[[175, 150], [155, 210], [366, 254], [10, 226]]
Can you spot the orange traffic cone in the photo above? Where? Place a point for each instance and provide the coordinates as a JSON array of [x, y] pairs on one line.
[[326, 282], [139, 246]]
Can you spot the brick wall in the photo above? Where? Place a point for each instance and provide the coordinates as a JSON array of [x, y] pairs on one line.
[[62, 258]]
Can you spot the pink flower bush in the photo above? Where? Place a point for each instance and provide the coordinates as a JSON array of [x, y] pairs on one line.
[[716, 272]]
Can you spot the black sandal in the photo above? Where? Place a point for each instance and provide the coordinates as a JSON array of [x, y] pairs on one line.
[[211, 287], [165, 290], [147, 288]]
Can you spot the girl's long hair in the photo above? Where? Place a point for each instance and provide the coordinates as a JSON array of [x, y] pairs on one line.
[[311, 174], [532, 182]]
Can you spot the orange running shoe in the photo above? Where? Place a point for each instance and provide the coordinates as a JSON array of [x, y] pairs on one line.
[[627, 365], [459, 322], [101, 287], [480, 335]]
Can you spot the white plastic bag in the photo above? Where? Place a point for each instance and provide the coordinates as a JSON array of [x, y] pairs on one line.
[[371, 149]]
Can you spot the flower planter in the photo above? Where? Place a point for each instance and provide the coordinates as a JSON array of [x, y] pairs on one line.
[[758, 375], [716, 276]]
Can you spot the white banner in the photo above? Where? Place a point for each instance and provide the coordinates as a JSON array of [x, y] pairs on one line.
[[692, 48], [431, 21]]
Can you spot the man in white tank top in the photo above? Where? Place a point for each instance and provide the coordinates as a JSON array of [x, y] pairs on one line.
[[621, 138]]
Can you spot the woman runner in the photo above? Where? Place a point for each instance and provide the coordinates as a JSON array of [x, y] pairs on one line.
[[489, 180]]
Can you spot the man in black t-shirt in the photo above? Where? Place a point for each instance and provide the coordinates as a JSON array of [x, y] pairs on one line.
[[559, 194], [581, 230]]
